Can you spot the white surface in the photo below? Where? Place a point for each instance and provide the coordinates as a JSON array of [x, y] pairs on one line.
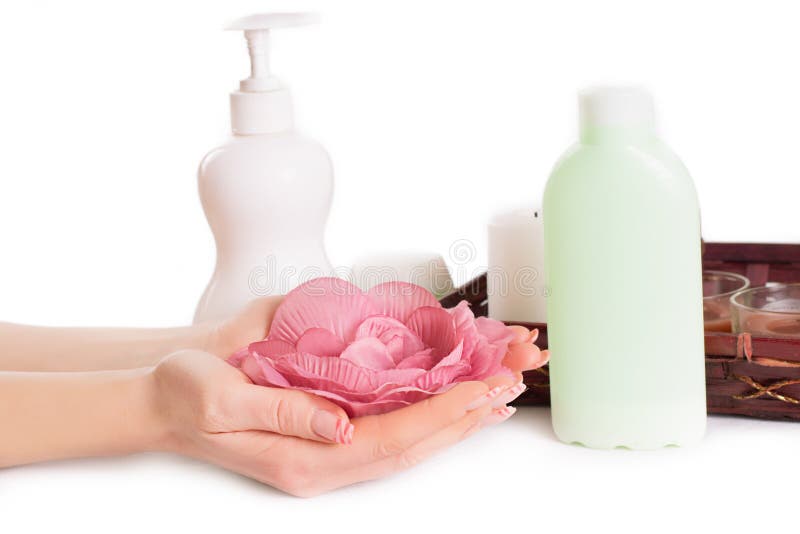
[[513, 478], [433, 123]]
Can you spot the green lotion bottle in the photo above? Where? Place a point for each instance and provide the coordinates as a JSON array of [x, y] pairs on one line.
[[622, 263]]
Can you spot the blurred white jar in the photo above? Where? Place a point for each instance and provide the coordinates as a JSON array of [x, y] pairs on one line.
[[426, 269]]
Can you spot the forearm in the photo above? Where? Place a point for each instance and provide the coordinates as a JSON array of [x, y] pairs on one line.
[[35, 348], [48, 416]]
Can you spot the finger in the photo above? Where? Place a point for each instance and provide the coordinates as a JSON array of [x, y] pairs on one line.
[[534, 335], [509, 395], [503, 384], [524, 357], [505, 388], [498, 415], [337, 466], [386, 435], [521, 334], [462, 428], [288, 412]]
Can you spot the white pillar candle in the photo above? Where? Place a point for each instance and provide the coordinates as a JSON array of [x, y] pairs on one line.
[[426, 269], [515, 278]]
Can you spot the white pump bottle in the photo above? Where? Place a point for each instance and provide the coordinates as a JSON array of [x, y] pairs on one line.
[[266, 191]]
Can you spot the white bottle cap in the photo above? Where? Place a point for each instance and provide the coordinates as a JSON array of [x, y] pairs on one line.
[[263, 104], [616, 107]]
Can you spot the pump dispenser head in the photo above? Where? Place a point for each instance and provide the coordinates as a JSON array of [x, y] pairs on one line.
[[263, 104]]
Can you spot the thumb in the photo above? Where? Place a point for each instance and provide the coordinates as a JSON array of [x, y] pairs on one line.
[[288, 412]]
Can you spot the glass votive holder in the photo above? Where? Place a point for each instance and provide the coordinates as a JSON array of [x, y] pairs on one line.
[[718, 287], [772, 310]]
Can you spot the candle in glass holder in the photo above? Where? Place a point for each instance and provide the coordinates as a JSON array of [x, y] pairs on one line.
[[515, 278], [718, 287], [772, 310]]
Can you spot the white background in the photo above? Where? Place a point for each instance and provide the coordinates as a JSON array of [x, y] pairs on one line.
[[436, 115]]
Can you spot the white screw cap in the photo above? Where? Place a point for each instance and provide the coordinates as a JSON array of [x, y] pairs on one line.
[[616, 107]]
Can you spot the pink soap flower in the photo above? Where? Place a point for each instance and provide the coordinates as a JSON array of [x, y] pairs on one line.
[[375, 351]]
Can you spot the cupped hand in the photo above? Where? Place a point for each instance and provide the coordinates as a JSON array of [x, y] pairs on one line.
[[250, 324], [523, 355], [305, 445]]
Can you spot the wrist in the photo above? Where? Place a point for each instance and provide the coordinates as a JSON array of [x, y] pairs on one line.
[[207, 337], [155, 423]]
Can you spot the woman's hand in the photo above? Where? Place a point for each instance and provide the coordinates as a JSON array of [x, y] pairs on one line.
[[196, 404], [523, 355], [203, 397], [215, 414], [305, 445], [250, 324]]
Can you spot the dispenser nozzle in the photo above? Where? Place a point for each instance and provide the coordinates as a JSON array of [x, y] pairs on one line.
[[256, 30]]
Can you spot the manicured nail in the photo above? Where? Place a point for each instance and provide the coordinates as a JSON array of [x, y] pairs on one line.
[[332, 427], [498, 416], [348, 433], [510, 395], [534, 335], [486, 398]]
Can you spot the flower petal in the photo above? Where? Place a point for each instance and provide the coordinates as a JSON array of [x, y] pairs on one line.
[[399, 340], [421, 360], [320, 342], [370, 353], [494, 331], [271, 348], [238, 357], [319, 372], [261, 371], [466, 331], [355, 408], [400, 299], [442, 377], [487, 360], [378, 325], [435, 328], [396, 378], [394, 387], [330, 303], [454, 357]]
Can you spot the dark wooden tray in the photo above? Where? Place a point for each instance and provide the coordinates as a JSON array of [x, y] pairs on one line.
[[745, 375]]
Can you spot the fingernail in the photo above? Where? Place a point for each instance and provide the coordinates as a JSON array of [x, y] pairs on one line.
[[510, 395], [486, 398], [332, 427], [348, 433], [500, 415]]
